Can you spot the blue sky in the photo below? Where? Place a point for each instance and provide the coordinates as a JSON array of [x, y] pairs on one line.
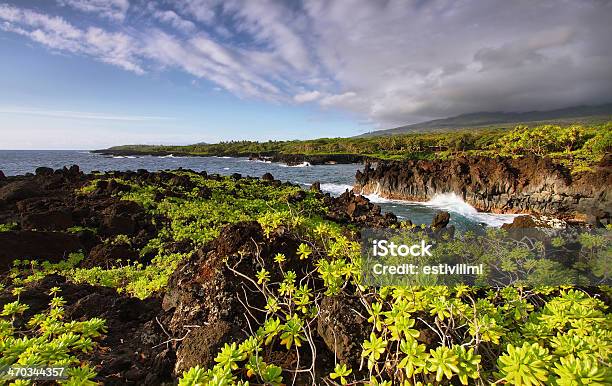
[[94, 73]]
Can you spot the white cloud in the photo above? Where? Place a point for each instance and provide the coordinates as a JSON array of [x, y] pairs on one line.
[[307, 96], [390, 62], [174, 20], [339, 99], [116, 48], [110, 9]]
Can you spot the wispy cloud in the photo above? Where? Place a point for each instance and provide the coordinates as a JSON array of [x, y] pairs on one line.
[[81, 115], [111, 9], [55, 32], [390, 62]]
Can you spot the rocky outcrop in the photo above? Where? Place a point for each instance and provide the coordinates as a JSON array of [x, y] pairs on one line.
[[343, 327], [313, 159], [289, 159], [530, 185], [49, 218], [356, 209], [33, 245]]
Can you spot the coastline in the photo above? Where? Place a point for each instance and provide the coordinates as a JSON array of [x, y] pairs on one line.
[[289, 159], [529, 185]]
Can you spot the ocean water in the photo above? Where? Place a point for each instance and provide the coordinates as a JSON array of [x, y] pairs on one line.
[[334, 179]]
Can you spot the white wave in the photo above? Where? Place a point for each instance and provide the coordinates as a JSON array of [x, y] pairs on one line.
[[377, 198], [263, 161], [452, 203], [226, 168], [302, 165], [335, 189], [118, 156], [130, 156], [167, 156]]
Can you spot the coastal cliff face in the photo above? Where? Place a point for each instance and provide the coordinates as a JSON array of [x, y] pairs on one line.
[[530, 185]]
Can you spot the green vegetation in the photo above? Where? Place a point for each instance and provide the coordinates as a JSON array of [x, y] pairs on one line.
[[47, 341], [419, 335], [575, 145], [8, 227], [516, 335], [188, 219]]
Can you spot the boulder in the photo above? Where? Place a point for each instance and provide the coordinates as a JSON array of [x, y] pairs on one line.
[[315, 187], [342, 328], [267, 177], [106, 255], [19, 190], [74, 170], [205, 294], [298, 196], [44, 171], [521, 222], [51, 246], [2, 176], [51, 220], [121, 218], [201, 345], [358, 209], [440, 220]]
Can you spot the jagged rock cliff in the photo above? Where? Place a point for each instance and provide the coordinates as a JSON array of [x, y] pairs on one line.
[[524, 185]]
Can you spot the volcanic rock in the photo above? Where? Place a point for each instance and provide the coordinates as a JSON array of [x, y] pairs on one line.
[[315, 187], [530, 185], [121, 218], [440, 220], [106, 254], [44, 171], [51, 246], [129, 355], [202, 344], [342, 328], [298, 196], [349, 207], [51, 220], [19, 190]]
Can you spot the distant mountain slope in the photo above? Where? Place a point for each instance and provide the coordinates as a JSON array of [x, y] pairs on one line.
[[486, 119]]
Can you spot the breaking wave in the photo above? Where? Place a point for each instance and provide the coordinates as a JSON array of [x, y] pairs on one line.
[[454, 204]]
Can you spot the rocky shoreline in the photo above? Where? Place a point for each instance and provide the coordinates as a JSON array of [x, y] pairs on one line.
[[527, 185], [288, 159], [312, 159]]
